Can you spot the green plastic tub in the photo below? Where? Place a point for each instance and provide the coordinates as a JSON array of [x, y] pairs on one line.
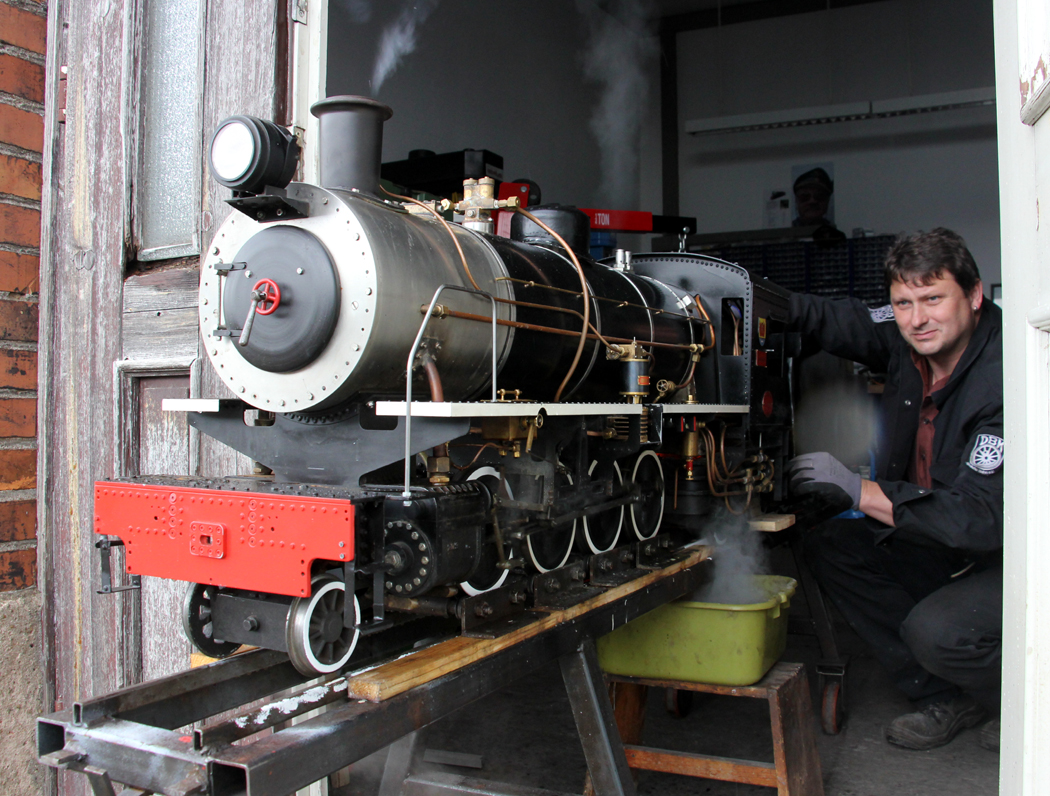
[[703, 642]]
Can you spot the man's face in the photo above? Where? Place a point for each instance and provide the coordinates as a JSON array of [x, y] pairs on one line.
[[937, 319], [811, 203]]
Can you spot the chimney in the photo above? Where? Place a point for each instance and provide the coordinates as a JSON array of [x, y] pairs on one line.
[[351, 142]]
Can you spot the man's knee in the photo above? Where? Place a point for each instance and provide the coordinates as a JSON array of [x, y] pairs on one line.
[[949, 630], [839, 546]]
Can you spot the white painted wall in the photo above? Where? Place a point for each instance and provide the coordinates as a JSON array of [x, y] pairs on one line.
[[502, 75], [892, 175], [1024, 160]]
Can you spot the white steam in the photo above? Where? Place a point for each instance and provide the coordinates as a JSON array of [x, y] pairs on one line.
[[399, 39], [738, 556], [620, 46], [359, 11]]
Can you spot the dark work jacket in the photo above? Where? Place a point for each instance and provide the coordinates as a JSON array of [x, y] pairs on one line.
[[964, 509]]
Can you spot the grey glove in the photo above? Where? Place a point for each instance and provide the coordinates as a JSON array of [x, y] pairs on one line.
[[824, 476]]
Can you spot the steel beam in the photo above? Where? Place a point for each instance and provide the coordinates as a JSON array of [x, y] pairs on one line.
[[164, 760]]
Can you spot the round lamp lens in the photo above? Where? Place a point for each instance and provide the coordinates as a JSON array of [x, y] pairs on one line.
[[232, 151]]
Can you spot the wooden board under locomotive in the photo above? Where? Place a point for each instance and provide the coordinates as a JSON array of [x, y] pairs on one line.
[[630, 400]]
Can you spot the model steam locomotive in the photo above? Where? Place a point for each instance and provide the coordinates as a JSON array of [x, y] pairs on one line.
[[451, 424]]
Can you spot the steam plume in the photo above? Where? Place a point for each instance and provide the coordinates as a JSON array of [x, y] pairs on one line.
[[359, 11], [738, 557], [399, 39], [619, 47]]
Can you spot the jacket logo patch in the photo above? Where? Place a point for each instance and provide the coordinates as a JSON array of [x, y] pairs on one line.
[[987, 454], [881, 314]]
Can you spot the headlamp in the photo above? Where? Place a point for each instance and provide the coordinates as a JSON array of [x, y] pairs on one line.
[[247, 153]]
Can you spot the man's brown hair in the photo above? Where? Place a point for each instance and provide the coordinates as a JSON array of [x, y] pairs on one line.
[[925, 256]]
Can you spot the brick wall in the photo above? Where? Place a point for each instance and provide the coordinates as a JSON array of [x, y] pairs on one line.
[[23, 29]]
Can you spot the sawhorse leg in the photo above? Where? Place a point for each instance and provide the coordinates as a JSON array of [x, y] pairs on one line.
[[589, 700]]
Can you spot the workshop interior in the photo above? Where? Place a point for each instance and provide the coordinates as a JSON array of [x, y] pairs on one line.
[[445, 386]]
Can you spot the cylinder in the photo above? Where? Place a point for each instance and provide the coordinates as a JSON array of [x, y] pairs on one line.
[[351, 142]]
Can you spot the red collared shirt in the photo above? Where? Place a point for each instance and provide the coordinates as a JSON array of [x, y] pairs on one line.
[[919, 468]]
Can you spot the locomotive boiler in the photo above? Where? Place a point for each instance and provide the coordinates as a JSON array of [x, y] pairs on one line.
[[448, 424]]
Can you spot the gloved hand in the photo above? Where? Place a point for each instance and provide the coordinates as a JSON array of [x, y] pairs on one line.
[[824, 476]]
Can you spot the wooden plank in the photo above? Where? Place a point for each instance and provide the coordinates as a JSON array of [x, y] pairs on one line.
[[421, 667], [160, 334], [780, 673], [726, 769], [163, 448], [162, 289], [795, 739], [771, 522]]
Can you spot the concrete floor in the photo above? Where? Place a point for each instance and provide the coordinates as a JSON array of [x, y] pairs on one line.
[[525, 736]]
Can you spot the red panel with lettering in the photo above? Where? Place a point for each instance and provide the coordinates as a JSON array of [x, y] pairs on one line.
[[240, 540], [619, 220]]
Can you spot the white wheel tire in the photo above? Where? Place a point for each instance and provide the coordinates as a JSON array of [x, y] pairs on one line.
[[568, 547], [469, 590], [634, 475], [619, 528]]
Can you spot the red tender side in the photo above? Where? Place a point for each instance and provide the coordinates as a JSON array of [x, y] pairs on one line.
[[240, 540]]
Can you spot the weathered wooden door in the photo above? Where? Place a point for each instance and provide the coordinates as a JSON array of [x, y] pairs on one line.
[[119, 269]]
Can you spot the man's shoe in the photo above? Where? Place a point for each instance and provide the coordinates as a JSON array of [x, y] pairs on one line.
[[988, 737], [935, 724]]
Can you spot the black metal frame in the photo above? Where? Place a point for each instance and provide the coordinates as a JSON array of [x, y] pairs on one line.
[[132, 736]]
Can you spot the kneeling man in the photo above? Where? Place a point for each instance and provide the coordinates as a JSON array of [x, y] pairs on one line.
[[920, 578]]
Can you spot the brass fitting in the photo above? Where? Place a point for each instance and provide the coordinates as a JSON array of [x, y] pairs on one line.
[[439, 469]]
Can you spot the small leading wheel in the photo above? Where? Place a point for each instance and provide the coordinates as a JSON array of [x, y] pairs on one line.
[[196, 621], [832, 707], [648, 513], [318, 643]]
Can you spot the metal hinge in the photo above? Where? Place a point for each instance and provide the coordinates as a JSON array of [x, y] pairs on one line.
[[299, 9]]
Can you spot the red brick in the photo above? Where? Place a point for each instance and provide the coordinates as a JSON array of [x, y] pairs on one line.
[[21, 78], [17, 520], [19, 225], [19, 273], [19, 177], [23, 29], [17, 370], [17, 417], [18, 321], [17, 469], [17, 569], [21, 128]]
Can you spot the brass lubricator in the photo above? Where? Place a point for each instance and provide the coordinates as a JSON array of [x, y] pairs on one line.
[[513, 430], [636, 369], [479, 200]]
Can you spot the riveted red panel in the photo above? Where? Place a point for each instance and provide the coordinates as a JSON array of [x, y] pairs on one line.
[[240, 540]]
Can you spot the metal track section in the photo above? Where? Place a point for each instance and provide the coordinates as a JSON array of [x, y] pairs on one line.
[[140, 737]]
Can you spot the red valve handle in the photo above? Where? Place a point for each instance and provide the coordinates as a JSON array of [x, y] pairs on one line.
[[270, 296]]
